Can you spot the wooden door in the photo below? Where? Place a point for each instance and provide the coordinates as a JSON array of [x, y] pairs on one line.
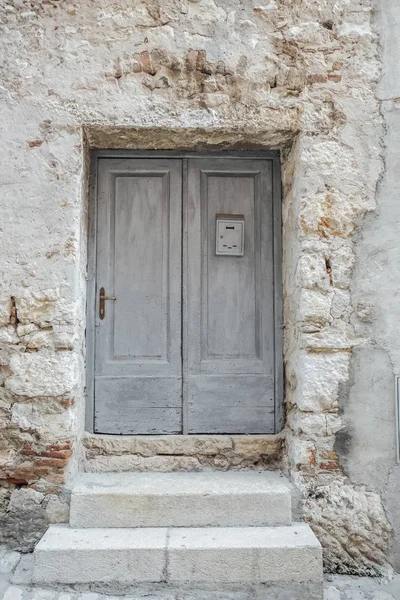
[[138, 364], [229, 358], [209, 368]]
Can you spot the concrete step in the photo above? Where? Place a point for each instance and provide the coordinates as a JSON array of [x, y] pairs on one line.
[[180, 499], [191, 556]]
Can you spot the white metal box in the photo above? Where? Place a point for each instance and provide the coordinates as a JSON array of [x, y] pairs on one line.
[[229, 235]]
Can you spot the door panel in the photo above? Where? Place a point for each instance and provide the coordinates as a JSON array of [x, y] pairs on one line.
[[138, 365], [230, 334], [230, 404], [230, 313], [141, 224]]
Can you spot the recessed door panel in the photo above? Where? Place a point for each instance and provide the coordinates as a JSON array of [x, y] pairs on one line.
[[140, 267], [230, 323]]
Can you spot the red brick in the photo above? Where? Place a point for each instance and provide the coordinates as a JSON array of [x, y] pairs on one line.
[[51, 462], [329, 466]]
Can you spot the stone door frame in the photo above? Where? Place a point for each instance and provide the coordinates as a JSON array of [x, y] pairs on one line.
[[274, 157]]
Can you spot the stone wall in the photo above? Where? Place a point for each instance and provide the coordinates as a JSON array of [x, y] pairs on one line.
[[110, 453], [299, 75]]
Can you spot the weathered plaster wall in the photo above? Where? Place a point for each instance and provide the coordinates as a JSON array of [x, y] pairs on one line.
[[367, 445], [295, 74]]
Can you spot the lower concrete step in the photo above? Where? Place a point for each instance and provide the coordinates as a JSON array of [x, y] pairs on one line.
[[193, 556], [180, 499]]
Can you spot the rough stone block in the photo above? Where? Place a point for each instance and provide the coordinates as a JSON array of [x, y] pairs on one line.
[[45, 306], [329, 339], [314, 424], [136, 462], [318, 379], [254, 446], [311, 272], [314, 309], [5, 311], [13, 593], [176, 453], [302, 453], [183, 445], [42, 373]]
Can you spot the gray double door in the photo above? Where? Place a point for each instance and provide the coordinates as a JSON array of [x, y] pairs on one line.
[[184, 336]]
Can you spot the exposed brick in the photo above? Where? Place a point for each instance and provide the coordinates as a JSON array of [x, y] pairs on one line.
[[51, 462], [329, 466]]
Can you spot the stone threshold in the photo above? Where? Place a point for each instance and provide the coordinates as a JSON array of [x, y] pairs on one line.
[[103, 453]]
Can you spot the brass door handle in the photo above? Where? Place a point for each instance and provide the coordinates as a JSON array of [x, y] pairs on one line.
[[102, 305]]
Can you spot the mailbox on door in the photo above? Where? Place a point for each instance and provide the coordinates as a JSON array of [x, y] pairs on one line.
[[229, 235]]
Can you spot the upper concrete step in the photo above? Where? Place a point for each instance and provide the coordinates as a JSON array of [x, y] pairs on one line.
[[180, 499], [182, 555]]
